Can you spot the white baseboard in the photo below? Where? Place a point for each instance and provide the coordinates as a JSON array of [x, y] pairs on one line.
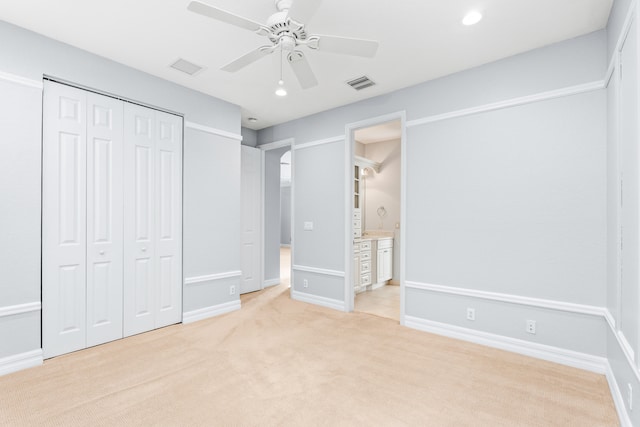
[[270, 282], [317, 300], [285, 245], [205, 313], [378, 285], [618, 400], [541, 351], [21, 361]]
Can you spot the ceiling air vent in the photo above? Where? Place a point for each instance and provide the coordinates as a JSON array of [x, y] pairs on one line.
[[186, 67], [361, 83]]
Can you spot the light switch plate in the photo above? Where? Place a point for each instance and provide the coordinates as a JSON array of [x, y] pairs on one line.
[[308, 226]]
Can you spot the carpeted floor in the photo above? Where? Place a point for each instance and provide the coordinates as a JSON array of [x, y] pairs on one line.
[[282, 362]]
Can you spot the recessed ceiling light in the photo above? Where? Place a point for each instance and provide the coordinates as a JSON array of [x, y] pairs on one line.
[[472, 18], [252, 119]]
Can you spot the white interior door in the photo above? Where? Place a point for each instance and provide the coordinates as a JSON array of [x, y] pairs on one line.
[[251, 174], [64, 220], [139, 224], [104, 219], [168, 219]]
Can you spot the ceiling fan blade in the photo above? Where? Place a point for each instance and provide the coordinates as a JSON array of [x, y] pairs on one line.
[[224, 16], [302, 69], [302, 10], [247, 59], [344, 45]]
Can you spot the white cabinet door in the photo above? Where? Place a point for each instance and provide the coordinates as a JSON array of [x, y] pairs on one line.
[[64, 220], [139, 224], [250, 191], [384, 264], [104, 219], [168, 213]]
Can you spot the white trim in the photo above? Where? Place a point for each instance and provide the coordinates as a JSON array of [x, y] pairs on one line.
[[316, 270], [285, 245], [623, 348], [205, 313], [610, 320], [618, 400], [541, 351], [514, 102], [211, 277], [213, 131], [514, 299], [626, 26], [333, 139], [626, 348], [363, 162], [276, 144], [12, 310], [14, 78], [270, 282], [317, 300], [18, 362]]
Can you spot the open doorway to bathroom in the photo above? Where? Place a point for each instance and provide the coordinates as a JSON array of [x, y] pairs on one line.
[[377, 218]]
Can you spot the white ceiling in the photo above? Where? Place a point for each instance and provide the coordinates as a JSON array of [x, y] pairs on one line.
[[419, 40]]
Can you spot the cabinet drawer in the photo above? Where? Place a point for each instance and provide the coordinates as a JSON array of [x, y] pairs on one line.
[[365, 266], [357, 233], [357, 214], [357, 223], [365, 279], [365, 246], [385, 243], [364, 255]]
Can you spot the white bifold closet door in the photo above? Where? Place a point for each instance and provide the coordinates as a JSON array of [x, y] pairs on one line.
[[153, 229], [82, 219], [112, 219]]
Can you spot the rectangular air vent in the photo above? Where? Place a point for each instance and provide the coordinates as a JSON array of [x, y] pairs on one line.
[[186, 67], [361, 83]]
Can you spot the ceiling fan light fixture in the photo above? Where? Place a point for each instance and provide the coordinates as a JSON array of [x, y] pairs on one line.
[[472, 18], [280, 90]]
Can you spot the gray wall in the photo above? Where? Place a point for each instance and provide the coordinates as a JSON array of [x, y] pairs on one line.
[[30, 55], [285, 215], [211, 217], [318, 194], [511, 201], [20, 175], [249, 137]]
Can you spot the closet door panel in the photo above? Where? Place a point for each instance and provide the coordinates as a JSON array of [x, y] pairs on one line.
[[169, 218], [64, 220], [104, 219], [139, 223]]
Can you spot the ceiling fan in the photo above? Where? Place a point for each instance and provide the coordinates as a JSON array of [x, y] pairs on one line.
[[285, 29]]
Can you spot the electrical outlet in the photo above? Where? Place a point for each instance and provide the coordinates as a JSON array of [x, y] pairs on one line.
[[471, 314], [305, 283], [630, 396], [531, 326], [232, 290]]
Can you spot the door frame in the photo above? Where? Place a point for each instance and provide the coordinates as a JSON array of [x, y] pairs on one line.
[[288, 142], [349, 153]]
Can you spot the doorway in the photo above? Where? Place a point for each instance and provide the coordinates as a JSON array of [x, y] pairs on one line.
[[377, 163], [276, 202], [285, 219]]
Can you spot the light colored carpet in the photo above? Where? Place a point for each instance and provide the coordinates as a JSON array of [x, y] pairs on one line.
[[282, 362]]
